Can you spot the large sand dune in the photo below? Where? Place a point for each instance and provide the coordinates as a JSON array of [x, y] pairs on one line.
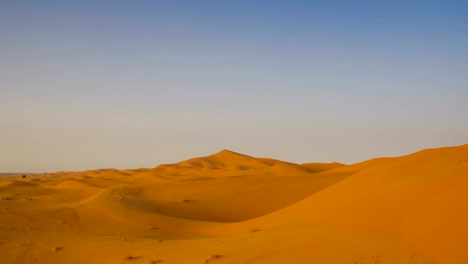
[[233, 208]]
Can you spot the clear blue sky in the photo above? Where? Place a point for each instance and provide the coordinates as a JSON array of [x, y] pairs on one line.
[[126, 84]]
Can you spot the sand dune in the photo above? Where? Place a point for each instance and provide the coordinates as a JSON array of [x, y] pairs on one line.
[[321, 167], [233, 208]]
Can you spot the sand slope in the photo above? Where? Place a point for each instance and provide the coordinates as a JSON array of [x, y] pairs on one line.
[[233, 208]]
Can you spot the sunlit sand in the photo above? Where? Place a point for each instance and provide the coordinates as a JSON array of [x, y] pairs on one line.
[[233, 208]]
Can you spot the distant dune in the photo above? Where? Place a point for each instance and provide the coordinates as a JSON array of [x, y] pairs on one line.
[[321, 167], [233, 208], [15, 174]]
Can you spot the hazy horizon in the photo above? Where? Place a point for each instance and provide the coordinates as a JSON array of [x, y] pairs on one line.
[[15, 173], [116, 84]]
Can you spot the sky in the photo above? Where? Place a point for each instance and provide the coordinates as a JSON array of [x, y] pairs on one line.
[[129, 84]]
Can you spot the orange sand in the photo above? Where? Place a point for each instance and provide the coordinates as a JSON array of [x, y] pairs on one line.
[[233, 208]]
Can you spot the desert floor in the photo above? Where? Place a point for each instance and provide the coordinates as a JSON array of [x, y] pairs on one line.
[[233, 208]]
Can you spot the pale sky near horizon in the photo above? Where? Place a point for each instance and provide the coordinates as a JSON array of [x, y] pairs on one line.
[[127, 84]]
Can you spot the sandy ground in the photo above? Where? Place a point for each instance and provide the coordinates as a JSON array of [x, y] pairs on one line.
[[233, 208]]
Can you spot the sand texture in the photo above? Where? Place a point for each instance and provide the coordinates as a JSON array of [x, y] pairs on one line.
[[233, 208]]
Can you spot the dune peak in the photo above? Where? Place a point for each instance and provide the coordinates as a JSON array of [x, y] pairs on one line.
[[226, 153]]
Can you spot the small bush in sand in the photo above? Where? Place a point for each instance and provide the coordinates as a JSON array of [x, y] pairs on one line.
[[214, 257], [130, 257]]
